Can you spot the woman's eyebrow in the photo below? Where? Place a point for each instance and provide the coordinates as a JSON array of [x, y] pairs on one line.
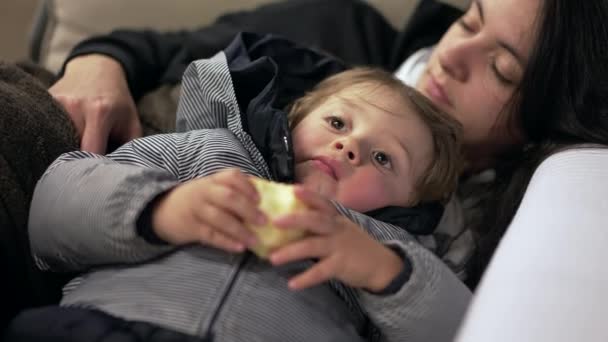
[[518, 56]]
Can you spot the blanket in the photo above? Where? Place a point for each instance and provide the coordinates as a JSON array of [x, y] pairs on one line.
[[34, 130]]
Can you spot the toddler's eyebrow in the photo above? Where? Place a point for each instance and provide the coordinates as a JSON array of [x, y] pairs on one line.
[[406, 152]]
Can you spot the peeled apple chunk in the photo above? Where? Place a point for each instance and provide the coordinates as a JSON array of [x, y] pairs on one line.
[[276, 199]]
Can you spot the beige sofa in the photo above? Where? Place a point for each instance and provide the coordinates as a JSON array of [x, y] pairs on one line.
[[60, 24]]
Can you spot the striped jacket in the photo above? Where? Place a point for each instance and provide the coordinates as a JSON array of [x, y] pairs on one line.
[[83, 219]]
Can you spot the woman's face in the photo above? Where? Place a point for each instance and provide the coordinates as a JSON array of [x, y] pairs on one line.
[[477, 65]]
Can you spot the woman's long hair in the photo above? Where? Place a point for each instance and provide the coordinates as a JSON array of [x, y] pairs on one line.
[[562, 100]]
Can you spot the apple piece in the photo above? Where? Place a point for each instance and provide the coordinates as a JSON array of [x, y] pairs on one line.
[[276, 199]]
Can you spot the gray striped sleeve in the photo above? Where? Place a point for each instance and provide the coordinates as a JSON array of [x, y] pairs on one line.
[[85, 207], [84, 211], [429, 306]]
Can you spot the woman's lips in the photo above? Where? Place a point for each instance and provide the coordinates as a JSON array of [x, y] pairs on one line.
[[325, 167], [436, 92]]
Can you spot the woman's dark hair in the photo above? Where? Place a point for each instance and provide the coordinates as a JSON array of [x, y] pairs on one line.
[[562, 100]]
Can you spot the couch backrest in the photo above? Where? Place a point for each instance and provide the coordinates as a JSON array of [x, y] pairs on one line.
[[63, 23]]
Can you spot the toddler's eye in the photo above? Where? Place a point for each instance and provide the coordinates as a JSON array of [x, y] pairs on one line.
[[382, 159], [336, 123]]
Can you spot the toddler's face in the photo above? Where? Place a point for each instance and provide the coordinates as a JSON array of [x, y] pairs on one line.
[[364, 147]]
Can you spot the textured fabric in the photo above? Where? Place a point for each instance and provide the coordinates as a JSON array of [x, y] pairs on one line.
[[184, 286], [34, 131], [55, 324]]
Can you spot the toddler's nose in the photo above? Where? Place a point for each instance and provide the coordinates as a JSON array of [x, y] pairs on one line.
[[350, 148]]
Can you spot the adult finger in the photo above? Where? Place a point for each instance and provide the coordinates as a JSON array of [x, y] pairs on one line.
[[74, 110], [133, 130], [94, 137], [321, 272]]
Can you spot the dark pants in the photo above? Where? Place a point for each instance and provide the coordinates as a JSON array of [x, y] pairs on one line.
[[60, 324]]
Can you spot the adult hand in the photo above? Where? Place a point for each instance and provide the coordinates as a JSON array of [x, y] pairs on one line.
[[344, 250], [95, 93], [211, 210]]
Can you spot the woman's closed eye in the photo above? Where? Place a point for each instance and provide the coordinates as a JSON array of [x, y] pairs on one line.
[[501, 76], [382, 159], [466, 26]]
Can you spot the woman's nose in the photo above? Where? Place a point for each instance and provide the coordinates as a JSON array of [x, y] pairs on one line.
[[350, 149], [455, 59]]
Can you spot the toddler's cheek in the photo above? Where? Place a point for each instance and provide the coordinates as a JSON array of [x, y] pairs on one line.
[[314, 180], [364, 192]]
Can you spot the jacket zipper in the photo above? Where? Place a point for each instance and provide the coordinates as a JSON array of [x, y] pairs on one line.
[[207, 328]]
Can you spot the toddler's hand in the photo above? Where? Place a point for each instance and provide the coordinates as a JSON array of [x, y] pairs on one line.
[[210, 210], [345, 251]]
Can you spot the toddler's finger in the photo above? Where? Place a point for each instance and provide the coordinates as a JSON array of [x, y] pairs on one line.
[[307, 248], [239, 181], [217, 219], [321, 272], [217, 239], [237, 204], [313, 221], [314, 200]]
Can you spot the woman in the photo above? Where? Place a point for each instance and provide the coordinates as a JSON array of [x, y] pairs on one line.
[[515, 73]]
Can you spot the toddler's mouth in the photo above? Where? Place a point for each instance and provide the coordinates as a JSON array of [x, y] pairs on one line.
[[325, 166]]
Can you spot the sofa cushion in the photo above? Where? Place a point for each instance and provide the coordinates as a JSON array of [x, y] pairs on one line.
[[71, 21]]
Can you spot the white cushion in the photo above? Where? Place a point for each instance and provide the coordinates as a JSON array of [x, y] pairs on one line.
[[547, 280]]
